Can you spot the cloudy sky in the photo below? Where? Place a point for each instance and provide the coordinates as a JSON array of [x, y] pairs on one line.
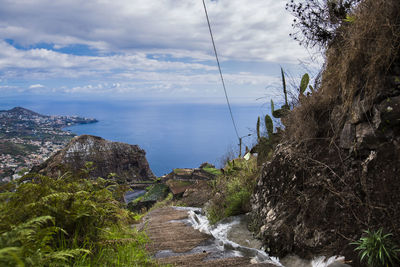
[[145, 48]]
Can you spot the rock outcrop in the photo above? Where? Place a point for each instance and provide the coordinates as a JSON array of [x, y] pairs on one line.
[[336, 171], [127, 163], [319, 199]]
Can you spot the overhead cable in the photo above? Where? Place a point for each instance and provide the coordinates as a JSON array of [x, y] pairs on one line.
[[220, 72]]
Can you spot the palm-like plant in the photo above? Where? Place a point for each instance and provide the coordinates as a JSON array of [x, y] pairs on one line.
[[378, 249]]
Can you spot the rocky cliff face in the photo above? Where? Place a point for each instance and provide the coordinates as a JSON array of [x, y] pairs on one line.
[[128, 162], [318, 200], [336, 173]]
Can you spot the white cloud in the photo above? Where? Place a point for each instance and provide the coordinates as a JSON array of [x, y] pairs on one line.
[[159, 47], [244, 30], [35, 86], [48, 63]]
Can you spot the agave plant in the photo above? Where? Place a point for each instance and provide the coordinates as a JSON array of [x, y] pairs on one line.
[[377, 249]]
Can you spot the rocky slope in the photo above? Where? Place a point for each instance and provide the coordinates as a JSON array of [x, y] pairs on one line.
[[127, 162], [336, 173]]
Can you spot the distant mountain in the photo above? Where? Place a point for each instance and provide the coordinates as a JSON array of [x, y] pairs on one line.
[[22, 111], [22, 122]]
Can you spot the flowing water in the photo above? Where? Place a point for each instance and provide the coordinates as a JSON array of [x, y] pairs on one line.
[[233, 239], [232, 236]]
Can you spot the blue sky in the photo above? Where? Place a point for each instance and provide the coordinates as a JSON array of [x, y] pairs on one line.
[[146, 48]]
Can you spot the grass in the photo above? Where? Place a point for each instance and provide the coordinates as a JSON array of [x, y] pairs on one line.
[[232, 190], [163, 203], [378, 249], [212, 170], [122, 247]]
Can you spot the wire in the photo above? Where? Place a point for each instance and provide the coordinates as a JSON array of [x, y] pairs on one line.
[[220, 72]]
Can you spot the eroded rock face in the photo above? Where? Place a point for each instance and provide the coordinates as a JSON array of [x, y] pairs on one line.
[[127, 162], [317, 198]]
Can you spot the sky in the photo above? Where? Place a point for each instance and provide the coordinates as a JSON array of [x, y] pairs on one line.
[[146, 48]]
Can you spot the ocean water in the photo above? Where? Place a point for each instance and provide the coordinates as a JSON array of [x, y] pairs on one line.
[[174, 135]]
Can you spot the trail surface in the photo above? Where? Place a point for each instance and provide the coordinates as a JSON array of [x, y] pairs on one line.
[[174, 241]]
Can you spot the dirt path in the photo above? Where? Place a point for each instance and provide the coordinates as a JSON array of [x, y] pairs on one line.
[[174, 242]]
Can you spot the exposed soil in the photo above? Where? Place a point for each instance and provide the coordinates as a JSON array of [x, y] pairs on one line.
[[174, 242]]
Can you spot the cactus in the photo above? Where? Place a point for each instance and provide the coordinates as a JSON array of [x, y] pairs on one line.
[[279, 113], [269, 125], [305, 80], [284, 87], [272, 106], [258, 129]]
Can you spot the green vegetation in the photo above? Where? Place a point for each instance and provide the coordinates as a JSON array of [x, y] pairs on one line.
[[154, 193], [212, 170], [68, 221], [233, 189], [17, 149], [378, 249], [266, 144], [209, 168], [164, 203]]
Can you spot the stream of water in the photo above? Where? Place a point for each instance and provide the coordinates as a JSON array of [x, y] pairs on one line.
[[232, 237]]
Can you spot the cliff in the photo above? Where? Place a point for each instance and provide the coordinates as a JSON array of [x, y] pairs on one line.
[[336, 171], [127, 162]]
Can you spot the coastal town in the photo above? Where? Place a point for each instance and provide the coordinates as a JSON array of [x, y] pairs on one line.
[[28, 139]]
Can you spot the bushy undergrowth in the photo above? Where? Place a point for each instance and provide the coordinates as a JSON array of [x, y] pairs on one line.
[[233, 189], [67, 221]]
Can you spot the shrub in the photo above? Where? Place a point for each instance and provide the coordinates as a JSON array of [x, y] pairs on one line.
[[378, 249], [233, 189], [318, 21]]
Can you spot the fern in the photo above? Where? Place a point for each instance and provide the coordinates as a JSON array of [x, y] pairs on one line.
[[56, 222]]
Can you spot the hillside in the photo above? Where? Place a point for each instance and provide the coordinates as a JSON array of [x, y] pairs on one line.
[[335, 172], [28, 138]]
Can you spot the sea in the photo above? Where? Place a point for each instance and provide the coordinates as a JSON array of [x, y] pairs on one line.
[[173, 134]]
